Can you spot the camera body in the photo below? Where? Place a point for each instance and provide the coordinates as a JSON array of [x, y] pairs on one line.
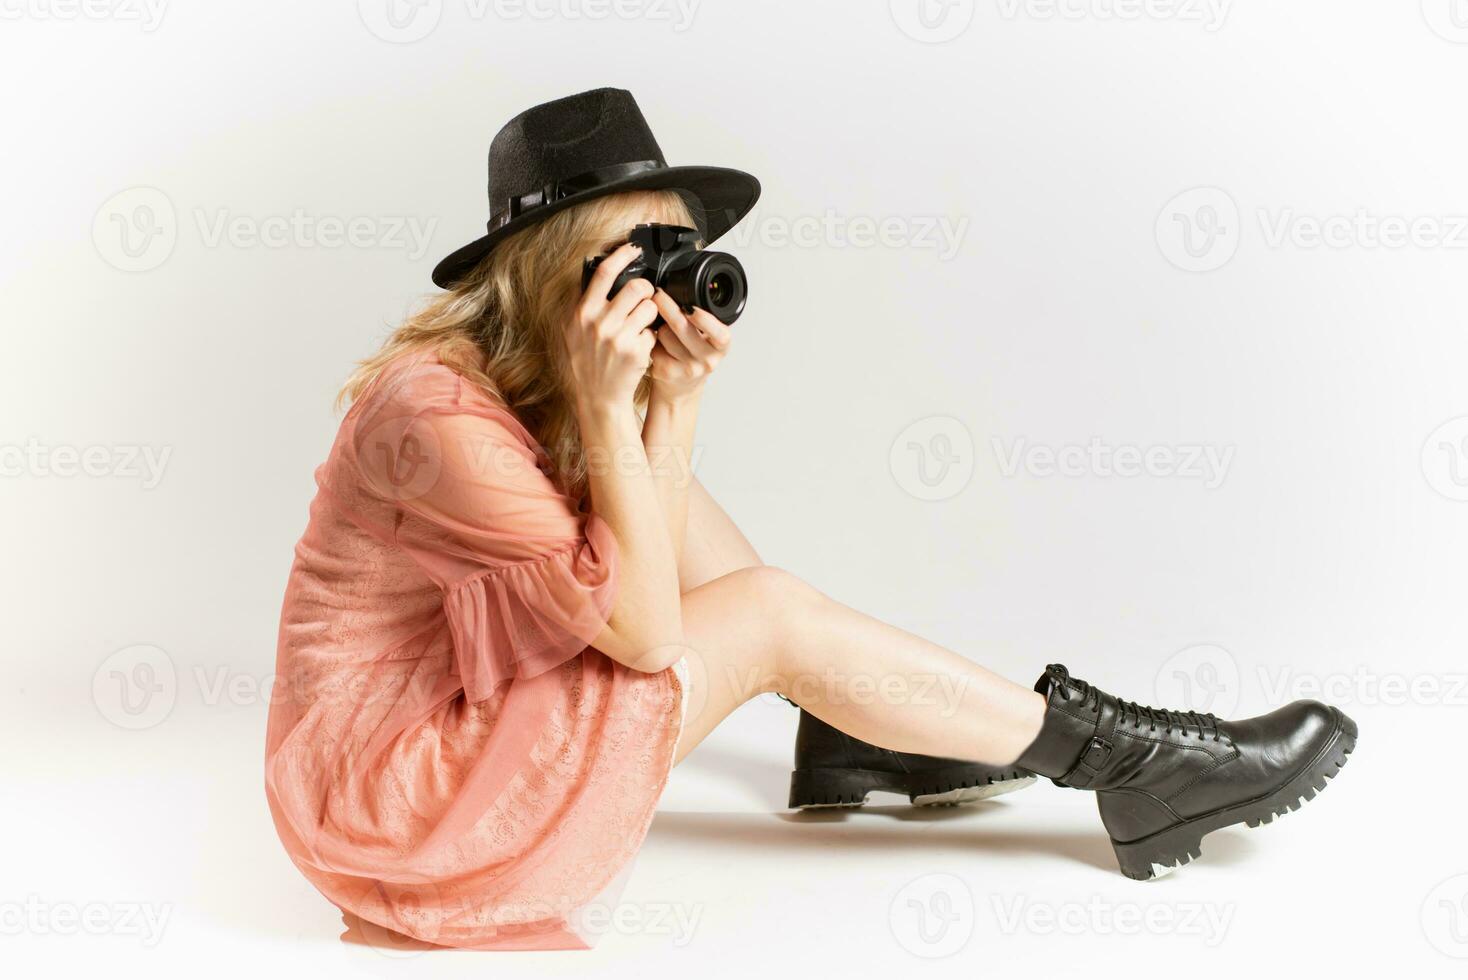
[[672, 261]]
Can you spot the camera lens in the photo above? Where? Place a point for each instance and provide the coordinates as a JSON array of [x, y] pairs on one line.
[[711, 280], [721, 287]]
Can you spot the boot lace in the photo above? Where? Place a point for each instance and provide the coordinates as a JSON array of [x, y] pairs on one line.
[[1187, 722]]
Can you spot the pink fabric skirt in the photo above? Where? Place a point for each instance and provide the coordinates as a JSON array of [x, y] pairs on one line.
[[447, 756], [509, 824]]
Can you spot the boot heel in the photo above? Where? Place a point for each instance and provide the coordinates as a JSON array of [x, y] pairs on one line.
[[1155, 856], [832, 787]]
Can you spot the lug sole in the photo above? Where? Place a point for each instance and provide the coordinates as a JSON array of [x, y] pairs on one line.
[[1167, 850], [816, 788]]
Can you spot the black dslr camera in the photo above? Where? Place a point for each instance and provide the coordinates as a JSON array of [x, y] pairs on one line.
[[672, 261]]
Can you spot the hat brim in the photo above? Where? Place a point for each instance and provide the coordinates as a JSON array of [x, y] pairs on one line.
[[721, 197]]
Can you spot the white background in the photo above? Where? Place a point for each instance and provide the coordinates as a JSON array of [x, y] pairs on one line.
[[1087, 297]]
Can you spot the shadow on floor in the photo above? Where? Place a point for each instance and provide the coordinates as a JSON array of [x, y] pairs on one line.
[[871, 828]]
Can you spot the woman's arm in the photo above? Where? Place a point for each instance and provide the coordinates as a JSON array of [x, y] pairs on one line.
[[667, 436], [689, 347], [645, 628], [608, 344]]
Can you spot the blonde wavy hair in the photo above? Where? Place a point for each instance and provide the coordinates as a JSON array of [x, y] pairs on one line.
[[502, 326]]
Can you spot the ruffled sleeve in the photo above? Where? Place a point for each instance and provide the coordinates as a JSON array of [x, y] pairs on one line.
[[528, 580]]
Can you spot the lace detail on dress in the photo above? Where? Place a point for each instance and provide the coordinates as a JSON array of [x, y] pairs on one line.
[[445, 757]]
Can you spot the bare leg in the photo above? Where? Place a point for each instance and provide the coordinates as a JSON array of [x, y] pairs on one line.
[[713, 545], [753, 629]]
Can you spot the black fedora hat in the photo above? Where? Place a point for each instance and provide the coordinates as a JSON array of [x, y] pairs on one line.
[[585, 146]]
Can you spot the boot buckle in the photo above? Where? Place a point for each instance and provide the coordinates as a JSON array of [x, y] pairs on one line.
[[1094, 758]]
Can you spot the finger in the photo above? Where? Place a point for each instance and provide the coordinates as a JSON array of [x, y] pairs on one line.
[[610, 268], [647, 340], [692, 342], [628, 298], [669, 341], [714, 330], [695, 342], [642, 317]]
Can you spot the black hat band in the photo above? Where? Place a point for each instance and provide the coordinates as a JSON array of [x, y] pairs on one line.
[[519, 204]]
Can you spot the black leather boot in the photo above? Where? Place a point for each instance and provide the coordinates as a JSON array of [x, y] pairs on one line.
[[834, 769], [1163, 778]]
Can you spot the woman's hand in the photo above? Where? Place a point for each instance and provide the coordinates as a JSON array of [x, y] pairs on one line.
[[689, 347], [608, 342]]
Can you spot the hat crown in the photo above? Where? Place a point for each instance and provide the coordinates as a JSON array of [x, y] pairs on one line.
[[567, 138]]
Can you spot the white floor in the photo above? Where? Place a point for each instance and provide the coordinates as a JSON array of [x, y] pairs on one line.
[[170, 823]]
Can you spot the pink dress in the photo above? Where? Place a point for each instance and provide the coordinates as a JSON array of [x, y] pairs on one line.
[[446, 757]]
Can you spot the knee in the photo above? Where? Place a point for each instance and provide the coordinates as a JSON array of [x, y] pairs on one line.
[[778, 595]]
